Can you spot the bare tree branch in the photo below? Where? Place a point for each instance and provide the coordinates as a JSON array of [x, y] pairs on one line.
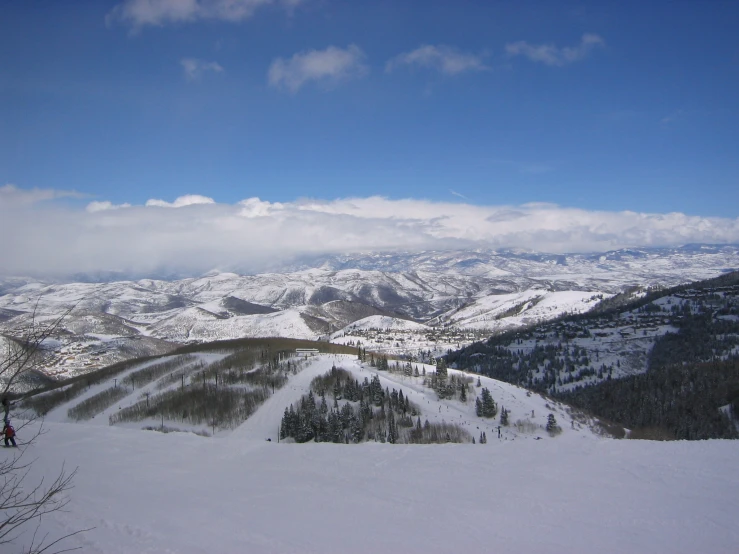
[[21, 500]]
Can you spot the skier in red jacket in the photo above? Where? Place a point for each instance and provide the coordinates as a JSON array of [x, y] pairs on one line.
[[9, 433]]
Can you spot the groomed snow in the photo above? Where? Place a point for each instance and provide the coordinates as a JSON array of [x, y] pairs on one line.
[[150, 492]]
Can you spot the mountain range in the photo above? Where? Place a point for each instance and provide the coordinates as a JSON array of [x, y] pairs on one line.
[[454, 297]]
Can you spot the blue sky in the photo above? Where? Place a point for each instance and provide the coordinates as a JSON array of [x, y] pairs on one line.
[[646, 119], [601, 108]]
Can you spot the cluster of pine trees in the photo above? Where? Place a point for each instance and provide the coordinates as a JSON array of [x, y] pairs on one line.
[[539, 368], [682, 401], [358, 412], [485, 406], [446, 386], [702, 311]]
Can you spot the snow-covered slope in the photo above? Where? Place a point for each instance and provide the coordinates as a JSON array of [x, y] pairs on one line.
[[144, 491], [518, 309], [387, 323], [472, 292]]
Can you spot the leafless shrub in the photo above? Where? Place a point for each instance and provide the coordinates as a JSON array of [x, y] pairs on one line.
[[97, 403], [525, 426], [22, 501], [435, 433], [220, 407], [150, 373]]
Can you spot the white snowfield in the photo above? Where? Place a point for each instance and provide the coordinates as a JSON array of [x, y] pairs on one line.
[[147, 492]]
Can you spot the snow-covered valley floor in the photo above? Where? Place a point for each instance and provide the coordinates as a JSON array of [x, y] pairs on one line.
[[144, 491]]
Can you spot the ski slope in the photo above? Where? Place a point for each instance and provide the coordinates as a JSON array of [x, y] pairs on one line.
[[144, 491]]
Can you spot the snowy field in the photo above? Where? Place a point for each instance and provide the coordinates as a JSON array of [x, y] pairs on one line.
[[144, 491]]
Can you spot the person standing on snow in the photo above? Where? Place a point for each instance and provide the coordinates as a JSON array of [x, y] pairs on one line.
[[9, 433]]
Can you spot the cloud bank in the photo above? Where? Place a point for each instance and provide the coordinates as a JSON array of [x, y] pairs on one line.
[[550, 54], [194, 234]]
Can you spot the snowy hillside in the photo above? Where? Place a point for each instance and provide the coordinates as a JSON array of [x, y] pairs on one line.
[[143, 491], [529, 307], [618, 341], [463, 295]]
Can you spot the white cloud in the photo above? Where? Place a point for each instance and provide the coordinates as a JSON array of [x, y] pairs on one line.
[[140, 13], [195, 68], [550, 54], [105, 205], [11, 194], [445, 59], [329, 66], [180, 202], [251, 235]]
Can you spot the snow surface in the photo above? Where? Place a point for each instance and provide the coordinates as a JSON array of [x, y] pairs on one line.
[[144, 491], [387, 323]]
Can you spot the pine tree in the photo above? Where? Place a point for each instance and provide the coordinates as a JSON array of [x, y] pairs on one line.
[[479, 384], [392, 428], [504, 417], [489, 409], [463, 392], [356, 428], [478, 407], [552, 426], [441, 371], [336, 431], [284, 425]]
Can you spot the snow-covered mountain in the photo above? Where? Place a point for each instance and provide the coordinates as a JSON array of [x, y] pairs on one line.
[[468, 293]]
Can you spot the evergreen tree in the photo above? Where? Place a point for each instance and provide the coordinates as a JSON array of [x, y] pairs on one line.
[[441, 371], [489, 409], [463, 392], [356, 428], [504, 417], [478, 407], [392, 428], [284, 425], [552, 424], [336, 431]]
